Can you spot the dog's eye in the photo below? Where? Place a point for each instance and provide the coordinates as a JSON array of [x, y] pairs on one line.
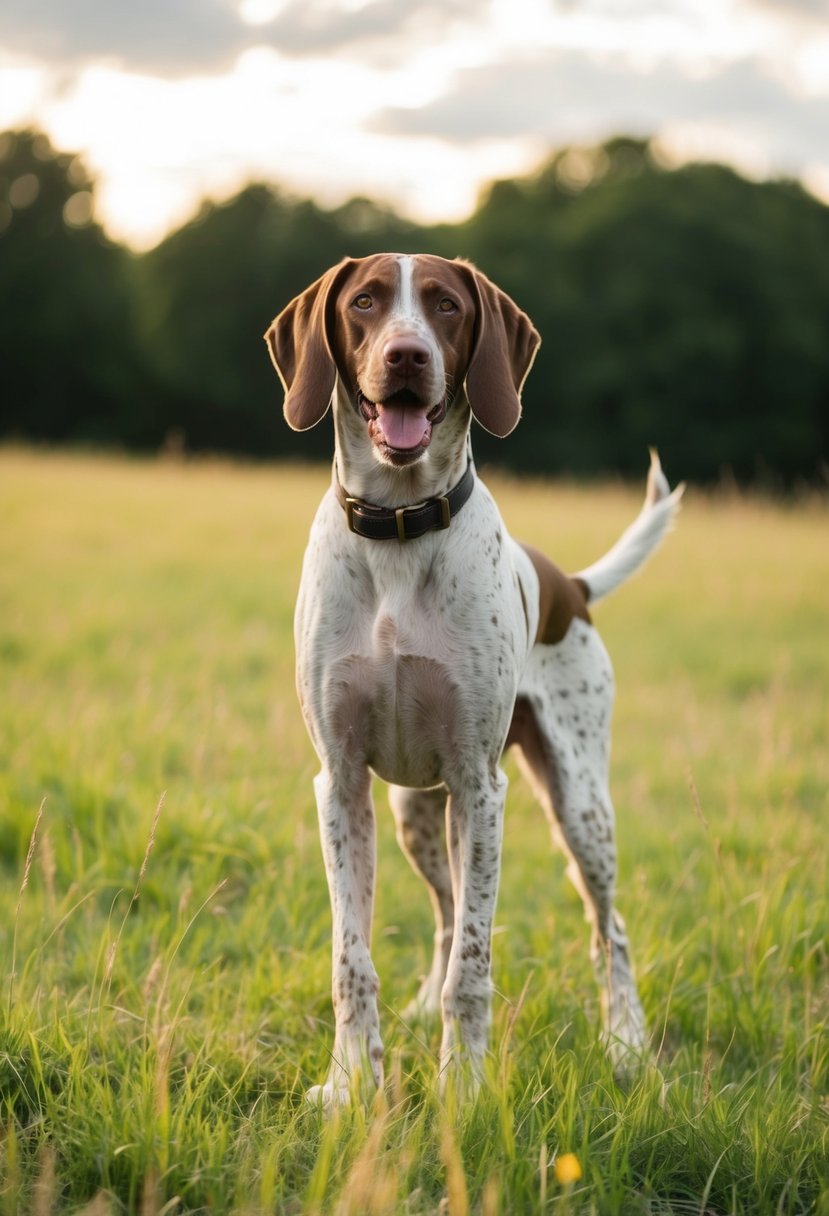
[[363, 301], [447, 305]]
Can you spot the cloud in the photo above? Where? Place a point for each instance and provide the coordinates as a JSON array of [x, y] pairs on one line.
[[185, 37], [788, 9], [565, 96], [168, 37], [309, 27]]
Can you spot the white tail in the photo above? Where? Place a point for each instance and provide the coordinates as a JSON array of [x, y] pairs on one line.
[[637, 543]]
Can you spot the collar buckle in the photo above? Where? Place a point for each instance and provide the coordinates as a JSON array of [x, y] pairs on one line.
[[349, 504], [400, 514]]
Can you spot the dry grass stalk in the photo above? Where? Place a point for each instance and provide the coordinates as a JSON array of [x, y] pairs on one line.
[[27, 869], [113, 950]]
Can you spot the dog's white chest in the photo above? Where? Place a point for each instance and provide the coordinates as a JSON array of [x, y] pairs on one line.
[[422, 671], [416, 697], [404, 713]]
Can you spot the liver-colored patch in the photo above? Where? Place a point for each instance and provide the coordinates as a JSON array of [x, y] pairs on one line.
[[560, 598]]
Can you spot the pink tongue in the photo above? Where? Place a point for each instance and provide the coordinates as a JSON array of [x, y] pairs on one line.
[[403, 426]]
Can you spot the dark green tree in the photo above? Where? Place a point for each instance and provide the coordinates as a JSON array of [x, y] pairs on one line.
[[71, 364], [686, 308]]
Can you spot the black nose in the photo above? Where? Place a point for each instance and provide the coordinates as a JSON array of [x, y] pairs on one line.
[[407, 355]]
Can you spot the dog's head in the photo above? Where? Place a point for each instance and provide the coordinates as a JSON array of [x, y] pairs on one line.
[[405, 335]]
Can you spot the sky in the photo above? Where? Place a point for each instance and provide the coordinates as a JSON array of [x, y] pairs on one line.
[[417, 103]]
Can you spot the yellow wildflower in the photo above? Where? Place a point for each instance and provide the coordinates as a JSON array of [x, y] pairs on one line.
[[567, 1168]]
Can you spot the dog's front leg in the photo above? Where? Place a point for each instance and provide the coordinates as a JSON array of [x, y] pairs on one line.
[[475, 821], [347, 833]]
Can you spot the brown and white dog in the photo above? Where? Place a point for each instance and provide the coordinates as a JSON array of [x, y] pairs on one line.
[[428, 641]]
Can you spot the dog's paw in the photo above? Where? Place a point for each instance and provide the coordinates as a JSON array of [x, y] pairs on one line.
[[626, 1036], [460, 1080], [329, 1097], [627, 1060]]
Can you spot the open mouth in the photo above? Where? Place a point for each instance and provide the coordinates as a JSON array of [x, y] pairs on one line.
[[400, 426]]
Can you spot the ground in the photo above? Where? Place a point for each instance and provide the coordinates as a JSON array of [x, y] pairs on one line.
[[165, 954]]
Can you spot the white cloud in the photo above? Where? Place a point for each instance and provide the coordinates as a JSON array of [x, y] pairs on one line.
[[175, 38], [22, 85], [167, 37]]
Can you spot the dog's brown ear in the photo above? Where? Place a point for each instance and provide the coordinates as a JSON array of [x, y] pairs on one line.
[[298, 341], [505, 345]]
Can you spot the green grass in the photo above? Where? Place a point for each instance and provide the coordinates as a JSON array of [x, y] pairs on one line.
[[164, 973]]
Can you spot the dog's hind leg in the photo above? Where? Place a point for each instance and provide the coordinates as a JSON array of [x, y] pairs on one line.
[[561, 726], [420, 816]]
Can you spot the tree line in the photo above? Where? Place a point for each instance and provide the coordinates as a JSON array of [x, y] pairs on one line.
[[685, 307]]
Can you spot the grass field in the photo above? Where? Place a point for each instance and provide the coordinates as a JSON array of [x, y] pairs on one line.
[[165, 971]]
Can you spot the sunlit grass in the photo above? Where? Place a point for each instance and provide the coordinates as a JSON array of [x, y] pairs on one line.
[[170, 1003]]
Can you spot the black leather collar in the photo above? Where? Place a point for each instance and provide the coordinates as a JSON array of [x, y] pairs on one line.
[[404, 523]]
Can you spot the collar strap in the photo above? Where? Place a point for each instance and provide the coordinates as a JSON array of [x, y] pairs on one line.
[[405, 523]]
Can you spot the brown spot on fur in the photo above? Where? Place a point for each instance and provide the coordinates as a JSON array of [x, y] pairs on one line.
[[560, 598]]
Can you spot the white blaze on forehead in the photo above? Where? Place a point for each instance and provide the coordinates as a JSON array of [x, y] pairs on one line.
[[407, 305]]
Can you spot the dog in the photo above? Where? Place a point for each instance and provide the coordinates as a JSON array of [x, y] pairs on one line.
[[429, 641]]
